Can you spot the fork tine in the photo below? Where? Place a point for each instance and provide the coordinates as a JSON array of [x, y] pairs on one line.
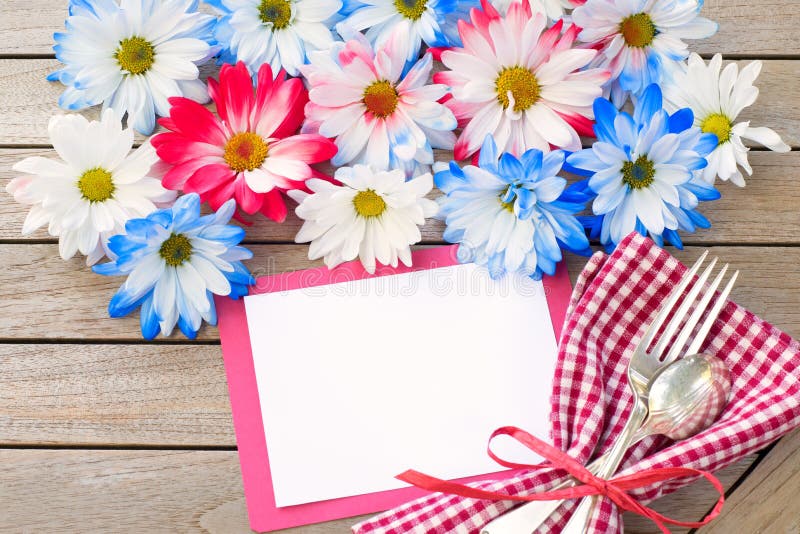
[[682, 312], [672, 299], [694, 348], [683, 336]]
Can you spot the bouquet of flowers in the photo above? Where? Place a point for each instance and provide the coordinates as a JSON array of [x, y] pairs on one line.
[[507, 88]]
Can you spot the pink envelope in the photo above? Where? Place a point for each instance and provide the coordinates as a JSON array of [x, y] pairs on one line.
[[238, 357]]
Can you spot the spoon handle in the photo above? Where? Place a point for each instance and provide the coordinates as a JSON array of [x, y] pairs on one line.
[[582, 517], [530, 516]]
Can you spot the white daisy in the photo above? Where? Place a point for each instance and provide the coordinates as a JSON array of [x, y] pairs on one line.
[[374, 216], [717, 98], [132, 56], [278, 32], [98, 186]]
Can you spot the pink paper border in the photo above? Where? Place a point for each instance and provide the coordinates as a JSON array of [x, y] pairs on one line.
[[238, 358]]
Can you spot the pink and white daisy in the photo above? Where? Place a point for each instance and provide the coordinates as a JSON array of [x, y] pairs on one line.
[[248, 150], [520, 82], [377, 115]]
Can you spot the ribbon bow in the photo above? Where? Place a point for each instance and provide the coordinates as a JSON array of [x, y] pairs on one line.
[[615, 489]]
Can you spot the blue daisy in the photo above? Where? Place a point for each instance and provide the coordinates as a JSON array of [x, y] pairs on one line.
[[642, 172], [434, 22], [511, 214], [175, 261]]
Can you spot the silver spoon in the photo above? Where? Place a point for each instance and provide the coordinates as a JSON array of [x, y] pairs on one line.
[[685, 398]]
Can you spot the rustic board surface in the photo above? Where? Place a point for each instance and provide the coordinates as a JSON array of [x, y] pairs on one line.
[[178, 491], [747, 28], [100, 432]]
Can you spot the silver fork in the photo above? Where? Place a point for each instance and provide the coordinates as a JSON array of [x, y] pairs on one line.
[[642, 367]]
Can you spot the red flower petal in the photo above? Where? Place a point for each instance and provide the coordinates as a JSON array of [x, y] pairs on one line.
[[196, 122], [283, 113], [309, 148], [236, 95], [247, 199], [175, 148], [208, 178], [274, 206]]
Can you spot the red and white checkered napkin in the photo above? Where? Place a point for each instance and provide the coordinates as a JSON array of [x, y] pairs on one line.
[[614, 299]]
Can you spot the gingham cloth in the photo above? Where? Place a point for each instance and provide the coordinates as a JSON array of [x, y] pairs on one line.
[[615, 297]]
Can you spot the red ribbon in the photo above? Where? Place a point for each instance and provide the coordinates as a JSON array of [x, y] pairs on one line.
[[615, 489]]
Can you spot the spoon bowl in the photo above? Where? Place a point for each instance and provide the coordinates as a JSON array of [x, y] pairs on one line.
[[687, 396]]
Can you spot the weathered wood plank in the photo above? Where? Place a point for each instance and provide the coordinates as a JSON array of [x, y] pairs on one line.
[[129, 395], [768, 499], [43, 297], [763, 28], [179, 491], [27, 101], [765, 212]]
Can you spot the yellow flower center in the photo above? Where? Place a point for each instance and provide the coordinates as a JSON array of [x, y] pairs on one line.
[[638, 30], [176, 250], [411, 9], [369, 203], [522, 85], [96, 185], [135, 54], [719, 125], [638, 174], [380, 98], [245, 151], [276, 12]]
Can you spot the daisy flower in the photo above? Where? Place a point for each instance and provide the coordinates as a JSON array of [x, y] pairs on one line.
[[554, 9], [716, 100], [247, 150], [378, 114], [175, 261], [510, 214], [434, 22], [373, 215], [96, 187], [278, 32], [639, 39], [642, 171], [132, 56], [519, 82]]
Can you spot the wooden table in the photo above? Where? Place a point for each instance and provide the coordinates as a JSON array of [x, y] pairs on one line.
[[102, 432]]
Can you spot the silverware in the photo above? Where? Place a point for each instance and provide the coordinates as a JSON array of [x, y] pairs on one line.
[[642, 369]]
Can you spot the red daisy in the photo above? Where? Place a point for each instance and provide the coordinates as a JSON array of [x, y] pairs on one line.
[[248, 151]]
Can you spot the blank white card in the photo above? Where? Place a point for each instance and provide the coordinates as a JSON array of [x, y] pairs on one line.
[[361, 380]]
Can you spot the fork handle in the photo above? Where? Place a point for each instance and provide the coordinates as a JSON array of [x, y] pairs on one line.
[[582, 517]]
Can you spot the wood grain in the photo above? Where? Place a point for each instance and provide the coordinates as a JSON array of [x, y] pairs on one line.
[[27, 101], [764, 28], [179, 491], [767, 499], [100, 395], [764, 212], [43, 297]]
